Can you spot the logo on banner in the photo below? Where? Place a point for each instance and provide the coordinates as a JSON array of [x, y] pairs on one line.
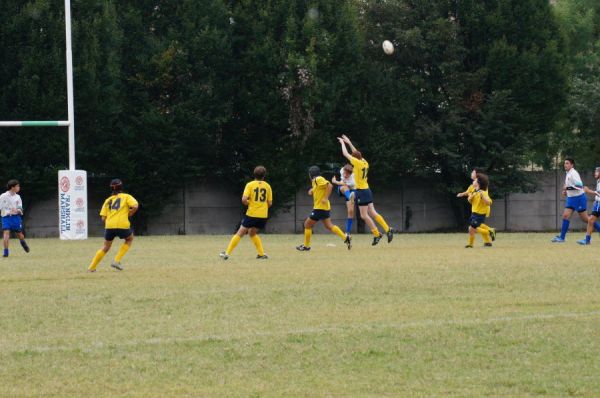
[[79, 202], [79, 180], [65, 184], [80, 224]]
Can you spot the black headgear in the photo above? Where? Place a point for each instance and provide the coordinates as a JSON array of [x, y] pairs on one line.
[[314, 171], [116, 185]]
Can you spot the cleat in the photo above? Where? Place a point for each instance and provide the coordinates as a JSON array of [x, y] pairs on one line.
[[376, 240], [348, 241], [352, 195], [25, 247], [390, 234], [302, 248], [91, 270], [263, 257], [468, 246], [583, 242], [5, 255], [493, 234], [116, 266], [557, 239], [224, 255], [488, 244]]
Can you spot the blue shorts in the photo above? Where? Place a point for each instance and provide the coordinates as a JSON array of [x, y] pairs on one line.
[[596, 209], [254, 222], [318, 214], [364, 197], [339, 191], [577, 203], [12, 223], [111, 234], [476, 220]]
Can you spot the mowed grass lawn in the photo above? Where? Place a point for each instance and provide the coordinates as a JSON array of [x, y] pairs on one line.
[[421, 316]]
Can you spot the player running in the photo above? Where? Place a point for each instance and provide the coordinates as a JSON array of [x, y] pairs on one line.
[[11, 207], [320, 191], [258, 196], [364, 196], [346, 188], [468, 192], [592, 224], [576, 199], [480, 206], [116, 212]]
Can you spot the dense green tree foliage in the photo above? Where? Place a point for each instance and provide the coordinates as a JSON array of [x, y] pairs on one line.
[[168, 92]]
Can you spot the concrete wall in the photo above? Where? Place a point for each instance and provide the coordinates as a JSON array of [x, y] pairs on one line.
[[203, 208]]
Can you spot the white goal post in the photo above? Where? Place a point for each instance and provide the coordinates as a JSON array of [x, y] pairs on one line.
[[72, 183]]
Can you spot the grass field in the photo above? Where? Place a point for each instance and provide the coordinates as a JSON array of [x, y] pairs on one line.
[[421, 316]]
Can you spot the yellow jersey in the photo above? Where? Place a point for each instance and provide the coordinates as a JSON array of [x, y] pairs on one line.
[[471, 189], [259, 195], [116, 210], [361, 171], [319, 192], [477, 203]]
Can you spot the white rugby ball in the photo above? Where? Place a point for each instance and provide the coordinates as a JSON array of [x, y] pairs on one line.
[[388, 47]]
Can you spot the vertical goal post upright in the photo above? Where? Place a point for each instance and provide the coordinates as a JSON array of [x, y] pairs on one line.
[[72, 183]]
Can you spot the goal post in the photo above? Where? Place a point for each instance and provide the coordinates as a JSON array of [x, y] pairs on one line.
[[72, 183]]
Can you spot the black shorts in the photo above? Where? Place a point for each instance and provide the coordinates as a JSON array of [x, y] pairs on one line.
[[476, 220], [254, 222], [364, 197], [111, 234], [318, 214]]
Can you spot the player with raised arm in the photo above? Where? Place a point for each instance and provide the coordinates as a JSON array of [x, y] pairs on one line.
[[320, 191], [592, 223], [12, 210], [116, 211], [258, 196], [346, 188], [576, 199], [364, 196], [468, 192], [480, 206]]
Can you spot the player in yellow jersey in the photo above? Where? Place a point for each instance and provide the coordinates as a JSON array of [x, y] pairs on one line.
[[364, 196], [321, 190], [258, 196], [480, 206], [115, 212], [469, 191]]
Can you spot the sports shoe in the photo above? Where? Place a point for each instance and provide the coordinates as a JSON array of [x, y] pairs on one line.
[[25, 247], [348, 241], [468, 246], [116, 265], [493, 234], [583, 242], [263, 257], [376, 240], [557, 239], [390, 234], [224, 255], [487, 244], [5, 255], [352, 196], [302, 248], [91, 270]]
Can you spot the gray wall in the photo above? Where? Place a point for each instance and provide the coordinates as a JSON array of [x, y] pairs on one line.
[[216, 209]]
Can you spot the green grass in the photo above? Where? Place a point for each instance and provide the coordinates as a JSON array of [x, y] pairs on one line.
[[421, 316]]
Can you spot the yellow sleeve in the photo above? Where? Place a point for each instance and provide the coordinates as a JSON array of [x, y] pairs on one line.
[[104, 209], [270, 194], [354, 161], [471, 189], [247, 191], [488, 197], [131, 202]]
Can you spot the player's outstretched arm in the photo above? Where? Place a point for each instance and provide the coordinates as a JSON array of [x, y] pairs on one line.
[[344, 149], [347, 141]]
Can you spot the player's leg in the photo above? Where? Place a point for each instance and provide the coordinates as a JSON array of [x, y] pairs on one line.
[[108, 240], [24, 245], [471, 237], [235, 239], [309, 223], [128, 237], [565, 225], [590, 229], [334, 228], [253, 233], [380, 220], [350, 218], [5, 239]]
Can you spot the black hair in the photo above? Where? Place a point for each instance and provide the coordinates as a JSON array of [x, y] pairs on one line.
[[314, 171], [11, 183], [570, 160]]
